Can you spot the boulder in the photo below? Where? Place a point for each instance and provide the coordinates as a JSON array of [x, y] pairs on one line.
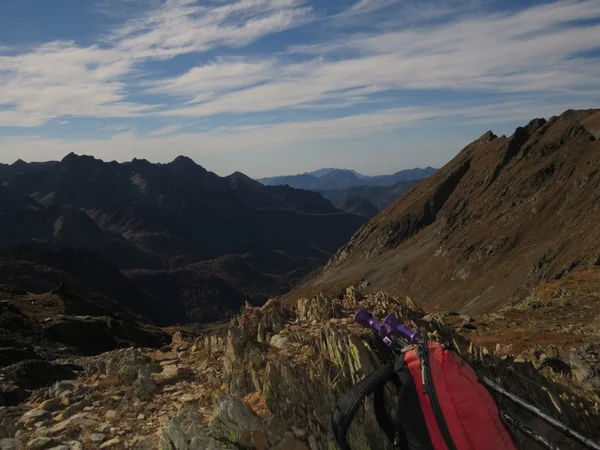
[[289, 443], [184, 432], [9, 417], [11, 444], [233, 420]]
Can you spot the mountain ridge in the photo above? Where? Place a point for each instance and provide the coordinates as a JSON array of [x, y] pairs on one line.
[[325, 179], [175, 221], [486, 228]]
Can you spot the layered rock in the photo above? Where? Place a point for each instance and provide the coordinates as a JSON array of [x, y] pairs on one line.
[[270, 381]]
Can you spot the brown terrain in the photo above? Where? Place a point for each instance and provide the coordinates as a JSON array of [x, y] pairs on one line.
[[506, 214], [592, 123]]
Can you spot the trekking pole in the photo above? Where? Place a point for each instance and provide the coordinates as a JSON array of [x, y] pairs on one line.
[[528, 431], [546, 418]]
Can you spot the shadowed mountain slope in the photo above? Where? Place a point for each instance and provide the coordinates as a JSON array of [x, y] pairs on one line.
[[176, 221]]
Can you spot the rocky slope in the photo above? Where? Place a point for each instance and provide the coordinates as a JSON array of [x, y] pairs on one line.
[[270, 379], [177, 223], [39, 332], [506, 214]]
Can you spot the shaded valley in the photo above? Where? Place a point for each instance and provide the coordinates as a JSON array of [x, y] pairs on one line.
[[199, 245]]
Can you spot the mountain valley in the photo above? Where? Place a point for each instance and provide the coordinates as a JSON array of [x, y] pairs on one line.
[[199, 244], [106, 268]]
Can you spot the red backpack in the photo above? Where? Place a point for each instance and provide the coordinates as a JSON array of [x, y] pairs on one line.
[[440, 403]]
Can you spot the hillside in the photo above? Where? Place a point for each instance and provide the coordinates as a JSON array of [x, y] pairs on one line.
[[359, 205], [506, 214], [326, 179], [592, 124], [177, 223], [380, 196]]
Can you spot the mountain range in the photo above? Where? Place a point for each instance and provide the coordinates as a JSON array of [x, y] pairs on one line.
[[325, 179], [496, 254], [506, 214], [197, 244]]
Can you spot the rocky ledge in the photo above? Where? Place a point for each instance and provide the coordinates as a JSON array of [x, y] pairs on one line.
[[270, 381]]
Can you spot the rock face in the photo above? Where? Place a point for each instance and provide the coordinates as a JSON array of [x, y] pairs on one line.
[[270, 380]]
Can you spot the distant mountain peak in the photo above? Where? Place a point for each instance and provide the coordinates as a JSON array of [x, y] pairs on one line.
[[181, 159], [74, 157], [238, 178]]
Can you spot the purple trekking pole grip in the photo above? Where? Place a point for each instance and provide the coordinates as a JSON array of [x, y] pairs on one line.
[[392, 326], [366, 319]]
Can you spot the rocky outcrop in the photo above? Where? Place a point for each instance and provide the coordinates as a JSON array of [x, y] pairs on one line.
[[293, 382], [270, 380]]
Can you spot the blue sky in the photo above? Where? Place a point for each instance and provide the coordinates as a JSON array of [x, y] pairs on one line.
[[270, 87]]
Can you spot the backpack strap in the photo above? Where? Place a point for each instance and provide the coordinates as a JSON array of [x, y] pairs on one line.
[[348, 405]]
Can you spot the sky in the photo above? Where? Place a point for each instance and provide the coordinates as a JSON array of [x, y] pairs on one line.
[[272, 87]]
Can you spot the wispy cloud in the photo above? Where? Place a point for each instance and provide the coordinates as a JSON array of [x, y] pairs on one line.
[[166, 130], [366, 6], [534, 50], [64, 79]]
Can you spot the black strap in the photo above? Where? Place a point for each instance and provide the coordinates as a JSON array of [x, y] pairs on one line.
[[383, 419], [351, 401]]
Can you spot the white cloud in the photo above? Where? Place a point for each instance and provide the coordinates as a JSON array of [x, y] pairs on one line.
[[62, 79], [166, 130], [534, 50], [205, 82], [366, 6]]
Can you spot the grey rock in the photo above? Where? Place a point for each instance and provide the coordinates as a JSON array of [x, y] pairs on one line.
[[8, 420], [97, 437], [234, 421], [580, 369], [53, 404], [40, 442], [145, 443], [35, 415], [60, 387], [111, 443], [280, 341], [144, 386], [10, 444], [289, 443], [184, 433]]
